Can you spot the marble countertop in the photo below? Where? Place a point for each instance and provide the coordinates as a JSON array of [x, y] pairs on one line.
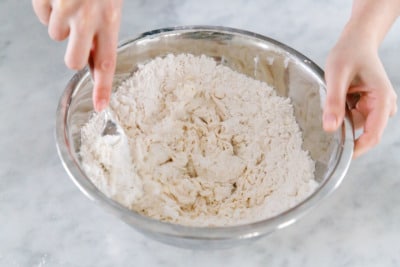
[[46, 221]]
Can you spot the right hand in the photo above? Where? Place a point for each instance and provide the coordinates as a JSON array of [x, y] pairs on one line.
[[92, 27], [354, 67]]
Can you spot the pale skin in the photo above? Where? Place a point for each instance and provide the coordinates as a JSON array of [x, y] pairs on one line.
[[353, 65], [91, 27]]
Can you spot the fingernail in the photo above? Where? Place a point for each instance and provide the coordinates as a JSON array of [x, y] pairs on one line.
[[100, 105], [330, 121]]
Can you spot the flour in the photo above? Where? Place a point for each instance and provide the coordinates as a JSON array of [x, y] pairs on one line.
[[205, 146]]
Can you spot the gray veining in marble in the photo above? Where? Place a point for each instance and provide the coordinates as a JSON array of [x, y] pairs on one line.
[[46, 221]]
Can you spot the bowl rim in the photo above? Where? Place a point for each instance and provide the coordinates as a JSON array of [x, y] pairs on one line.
[[150, 225]]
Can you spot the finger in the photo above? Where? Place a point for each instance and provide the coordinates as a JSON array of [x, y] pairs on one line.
[[388, 91], [358, 119], [79, 45], [42, 10], [381, 81], [105, 55], [104, 68], [338, 78], [58, 27], [374, 126]]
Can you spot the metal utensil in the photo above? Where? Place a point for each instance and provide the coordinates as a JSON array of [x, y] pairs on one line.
[[110, 125]]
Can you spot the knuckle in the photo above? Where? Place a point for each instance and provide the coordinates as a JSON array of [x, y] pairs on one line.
[[111, 16], [105, 60], [73, 64], [56, 35], [106, 65]]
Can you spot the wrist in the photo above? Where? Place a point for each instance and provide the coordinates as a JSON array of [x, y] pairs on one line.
[[370, 21], [361, 35]]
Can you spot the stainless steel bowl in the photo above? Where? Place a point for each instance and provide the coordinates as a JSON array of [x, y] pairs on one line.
[[292, 74]]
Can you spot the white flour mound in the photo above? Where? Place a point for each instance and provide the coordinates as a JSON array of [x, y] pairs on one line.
[[205, 146]]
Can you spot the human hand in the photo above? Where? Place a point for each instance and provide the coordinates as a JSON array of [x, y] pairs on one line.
[[92, 27], [354, 69]]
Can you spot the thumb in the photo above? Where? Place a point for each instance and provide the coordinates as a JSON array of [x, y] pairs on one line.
[[338, 78]]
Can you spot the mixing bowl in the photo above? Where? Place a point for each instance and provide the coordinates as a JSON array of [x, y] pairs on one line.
[[292, 74]]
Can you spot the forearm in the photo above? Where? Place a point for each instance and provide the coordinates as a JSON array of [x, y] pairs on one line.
[[371, 20]]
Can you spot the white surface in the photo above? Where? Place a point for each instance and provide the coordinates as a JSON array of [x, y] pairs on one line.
[[46, 221]]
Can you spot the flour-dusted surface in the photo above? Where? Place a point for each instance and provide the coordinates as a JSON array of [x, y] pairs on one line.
[[205, 146]]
